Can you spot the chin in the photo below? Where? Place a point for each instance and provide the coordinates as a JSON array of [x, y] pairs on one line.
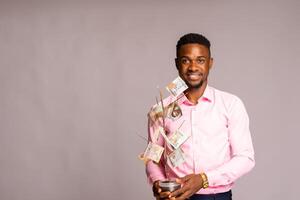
[[195, 85]]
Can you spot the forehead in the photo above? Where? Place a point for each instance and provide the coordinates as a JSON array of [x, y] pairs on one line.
[[193, 50]]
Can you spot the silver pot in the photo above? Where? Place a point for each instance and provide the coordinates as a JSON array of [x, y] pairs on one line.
[[169, 185]]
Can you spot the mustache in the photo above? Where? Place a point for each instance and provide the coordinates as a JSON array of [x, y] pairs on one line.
[[193, 72]]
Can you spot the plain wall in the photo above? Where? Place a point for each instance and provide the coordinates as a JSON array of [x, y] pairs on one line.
[[78, 77]]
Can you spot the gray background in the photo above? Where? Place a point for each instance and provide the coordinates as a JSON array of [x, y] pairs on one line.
[[77, 79]]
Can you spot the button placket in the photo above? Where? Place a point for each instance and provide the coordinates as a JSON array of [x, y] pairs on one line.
[[196, 141], [193, 130]]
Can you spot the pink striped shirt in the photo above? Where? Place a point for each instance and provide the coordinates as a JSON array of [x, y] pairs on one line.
[[219, 142]]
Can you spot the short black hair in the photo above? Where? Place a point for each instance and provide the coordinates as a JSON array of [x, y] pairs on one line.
[[192, 38]]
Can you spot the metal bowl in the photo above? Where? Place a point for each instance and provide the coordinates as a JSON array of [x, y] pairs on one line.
[[169, 185]]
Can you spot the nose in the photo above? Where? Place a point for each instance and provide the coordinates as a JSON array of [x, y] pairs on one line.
[[193, 66]]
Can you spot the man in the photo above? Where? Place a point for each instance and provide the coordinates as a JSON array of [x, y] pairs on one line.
[[219, 148]]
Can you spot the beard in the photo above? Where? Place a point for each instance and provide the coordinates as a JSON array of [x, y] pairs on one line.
[[196, 85]]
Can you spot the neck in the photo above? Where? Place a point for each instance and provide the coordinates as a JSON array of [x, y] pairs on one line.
[[194, 94]]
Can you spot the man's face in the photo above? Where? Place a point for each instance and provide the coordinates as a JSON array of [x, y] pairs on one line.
[[193, 64]]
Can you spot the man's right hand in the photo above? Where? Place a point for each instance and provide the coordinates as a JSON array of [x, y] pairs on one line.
[[158, 193]]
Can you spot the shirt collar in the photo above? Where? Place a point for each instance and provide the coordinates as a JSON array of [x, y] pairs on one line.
[[206, 97]]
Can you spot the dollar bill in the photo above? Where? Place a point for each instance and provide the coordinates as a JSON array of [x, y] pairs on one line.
[[178, 138], [177, 87], [174, 111], [176, 157], [156, 112], [153, 152]]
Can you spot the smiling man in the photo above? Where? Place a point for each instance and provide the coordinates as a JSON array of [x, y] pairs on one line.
[[219, 148]]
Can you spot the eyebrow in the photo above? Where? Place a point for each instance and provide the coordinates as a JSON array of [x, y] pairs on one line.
[[197, 57]]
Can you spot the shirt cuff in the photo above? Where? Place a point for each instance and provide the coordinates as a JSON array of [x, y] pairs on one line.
[[215, 178]]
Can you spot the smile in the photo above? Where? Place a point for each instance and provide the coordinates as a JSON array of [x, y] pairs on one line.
[[194, 76]]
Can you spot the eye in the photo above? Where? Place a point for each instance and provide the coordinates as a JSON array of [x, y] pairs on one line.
[[200, 61], [184, 61]]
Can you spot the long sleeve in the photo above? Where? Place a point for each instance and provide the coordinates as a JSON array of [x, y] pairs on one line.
[[154, 171], [242, 151]]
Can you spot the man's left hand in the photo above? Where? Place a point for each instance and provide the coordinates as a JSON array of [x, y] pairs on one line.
[[191, 184]]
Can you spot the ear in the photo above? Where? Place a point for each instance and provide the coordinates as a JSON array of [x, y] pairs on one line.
[[211, 61], [176, 64]]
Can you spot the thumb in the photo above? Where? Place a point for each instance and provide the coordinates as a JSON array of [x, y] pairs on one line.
[[156, 183]]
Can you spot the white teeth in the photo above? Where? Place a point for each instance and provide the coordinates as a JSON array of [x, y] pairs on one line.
[[193, 76]]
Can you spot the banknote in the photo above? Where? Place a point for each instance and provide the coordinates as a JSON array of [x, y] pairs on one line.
[[176, 157], [174, 111], [178, 138], [177, 87], [156, 112], [153, 152]]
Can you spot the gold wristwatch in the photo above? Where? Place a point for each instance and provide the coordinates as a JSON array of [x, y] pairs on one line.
[[204, 180]]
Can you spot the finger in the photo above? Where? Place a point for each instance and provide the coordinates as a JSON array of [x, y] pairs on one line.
[[184, 179], [179, 191], [155, 188], [159, 198], [156, 184], [176, 193], [185, 195], [164, 194]]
